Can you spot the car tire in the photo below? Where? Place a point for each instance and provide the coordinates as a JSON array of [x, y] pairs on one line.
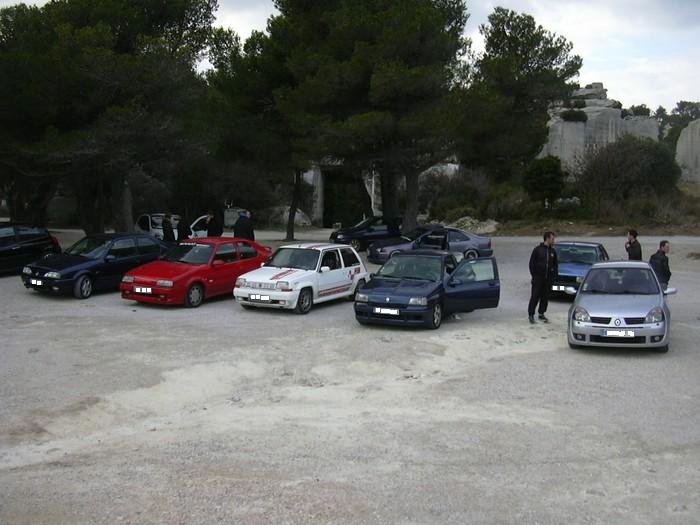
[[304, 302], [661, 349], [471, 254], [435, 317], [83, 287], [194, 296], [359, 285], [357, 244]]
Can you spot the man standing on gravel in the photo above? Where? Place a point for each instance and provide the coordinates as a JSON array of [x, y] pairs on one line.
[[634, 249], [659, 263], [544, 268]]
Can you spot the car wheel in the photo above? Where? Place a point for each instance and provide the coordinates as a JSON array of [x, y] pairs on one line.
[[83, 287], [471, 254], [661, 349], [355, 243], [435, 317], [195, 296], [359, 285], [304, 302]]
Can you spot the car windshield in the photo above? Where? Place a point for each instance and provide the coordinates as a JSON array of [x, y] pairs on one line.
[[298, 258], [425, 268], [190, 253], [576, 254], [620, 281], [89, 247], [414, 234]]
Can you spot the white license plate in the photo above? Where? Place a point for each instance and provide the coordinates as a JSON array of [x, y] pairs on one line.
[[619, 333], [558, 288], [37, 282], [258, 297], [386, 311], [141, 289]]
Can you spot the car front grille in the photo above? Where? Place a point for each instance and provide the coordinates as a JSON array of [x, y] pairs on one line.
[[601, 320], [634, 320]]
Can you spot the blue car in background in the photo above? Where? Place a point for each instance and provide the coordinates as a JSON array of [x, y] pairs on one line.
[[96, 262], [367, 231], [575, 259], [420, 287]]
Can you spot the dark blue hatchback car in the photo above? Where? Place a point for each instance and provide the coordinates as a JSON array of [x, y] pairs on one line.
[[420, 287], [96, 262], [575, 259]]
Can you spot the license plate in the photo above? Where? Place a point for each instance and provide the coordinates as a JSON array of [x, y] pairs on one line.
[[558, 288], [618, 333], [140, 289], [37, 282], [386, 311], [258, 297]]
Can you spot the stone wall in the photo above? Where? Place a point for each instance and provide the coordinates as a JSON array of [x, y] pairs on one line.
[[688, 152]]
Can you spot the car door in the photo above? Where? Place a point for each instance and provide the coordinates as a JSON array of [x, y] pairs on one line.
[[223, 270], [474, 284], [143, 224], [458, 242], [121, 257], [248, 257], [199, 227], [8, 248], [32, 243], [378, 230], [334, 281]]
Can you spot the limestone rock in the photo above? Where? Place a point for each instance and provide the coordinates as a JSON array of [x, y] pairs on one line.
[[688, 152]]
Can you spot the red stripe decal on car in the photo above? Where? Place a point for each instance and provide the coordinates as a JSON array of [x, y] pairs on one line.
[[282, 274]]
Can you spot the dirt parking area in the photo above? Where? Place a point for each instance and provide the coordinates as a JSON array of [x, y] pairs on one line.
[[112, 412]]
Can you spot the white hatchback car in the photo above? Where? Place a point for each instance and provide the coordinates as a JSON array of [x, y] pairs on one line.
[[301, 275]]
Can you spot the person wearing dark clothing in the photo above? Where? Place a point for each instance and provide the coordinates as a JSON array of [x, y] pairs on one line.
[[544, 268], [634, 249], [183, 229], [168, 233], [659, 263], [244, 227], [214, 228]]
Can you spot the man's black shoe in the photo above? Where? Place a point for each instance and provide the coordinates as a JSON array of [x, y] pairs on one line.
[[542, 318], [531, 318]]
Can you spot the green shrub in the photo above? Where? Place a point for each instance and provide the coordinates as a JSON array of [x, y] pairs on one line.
[[573, 115], [454, 214]]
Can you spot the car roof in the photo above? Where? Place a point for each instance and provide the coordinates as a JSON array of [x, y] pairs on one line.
[[33, 225], [315, 245], [215, 240], [622, 264], [434, 253], [115, 235], [578, 243]]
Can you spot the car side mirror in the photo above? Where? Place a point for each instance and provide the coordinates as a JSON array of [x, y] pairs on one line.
[[325, 269], [217, 262], [110, 258], [570, 290], [670, 291]]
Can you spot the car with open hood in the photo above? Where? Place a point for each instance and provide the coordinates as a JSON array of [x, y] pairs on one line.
[[575, 258], [96, 262], [620, 304], [421, 287], [193, 271], [368, 231], [298, 276], [432, 236]]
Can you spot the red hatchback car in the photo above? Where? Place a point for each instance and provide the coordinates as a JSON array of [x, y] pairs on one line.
[[193, 271]]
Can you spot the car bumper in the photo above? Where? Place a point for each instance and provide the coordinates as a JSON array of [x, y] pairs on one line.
[[645, 336], [269, 298], [158, 295], [406, 316], [56, 286]]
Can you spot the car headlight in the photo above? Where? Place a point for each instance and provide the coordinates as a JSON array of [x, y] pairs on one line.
[[361, 297], [581, 315], [655, 315], [418, 301], [283, 286], [241, 282], [128, 279], [340, 236], [164, 283], [52, 275], [27, 270]]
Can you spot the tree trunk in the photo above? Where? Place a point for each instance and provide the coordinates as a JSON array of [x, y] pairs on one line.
[[296, 197], [410, 218], [390, 194], [122, 205]]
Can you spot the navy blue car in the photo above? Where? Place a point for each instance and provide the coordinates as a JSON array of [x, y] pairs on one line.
[[575, 259], [420, 287], [96, 262], [367, 231]]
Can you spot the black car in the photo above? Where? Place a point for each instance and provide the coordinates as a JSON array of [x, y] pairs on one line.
[[575, 259], [96, 262], [367, 231], [23, 243], [420, 287]]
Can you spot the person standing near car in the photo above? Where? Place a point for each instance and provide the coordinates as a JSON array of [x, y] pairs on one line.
[[243, 228], [632, 246], [214, 229], [544, 268], [659, 263], [168, 233], [183, 229]]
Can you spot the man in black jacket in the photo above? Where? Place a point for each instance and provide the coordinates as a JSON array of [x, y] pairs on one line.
[[659, 263], [544, 268], [243, 228], [214, 228], [634, 249], [168, 233]]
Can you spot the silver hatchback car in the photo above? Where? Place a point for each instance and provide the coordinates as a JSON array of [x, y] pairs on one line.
[[620, 304]]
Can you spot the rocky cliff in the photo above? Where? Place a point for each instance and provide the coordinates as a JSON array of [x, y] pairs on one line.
[[688, 152]]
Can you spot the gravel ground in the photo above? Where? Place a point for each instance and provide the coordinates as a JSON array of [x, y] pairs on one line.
[[112, 412]]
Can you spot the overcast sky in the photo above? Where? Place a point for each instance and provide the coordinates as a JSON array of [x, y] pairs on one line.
[[644, 51]]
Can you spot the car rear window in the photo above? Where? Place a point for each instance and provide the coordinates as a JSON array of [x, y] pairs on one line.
[[27, 233], [349, 258], [147, 246], [247, 251]]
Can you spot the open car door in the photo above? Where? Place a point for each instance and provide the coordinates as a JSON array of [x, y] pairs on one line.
[[473, 285]]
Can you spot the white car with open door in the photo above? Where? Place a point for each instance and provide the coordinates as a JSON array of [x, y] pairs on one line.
[[300, 275], [152, 224]]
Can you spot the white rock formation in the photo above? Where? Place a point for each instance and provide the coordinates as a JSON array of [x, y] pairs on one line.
[[688, 152]]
